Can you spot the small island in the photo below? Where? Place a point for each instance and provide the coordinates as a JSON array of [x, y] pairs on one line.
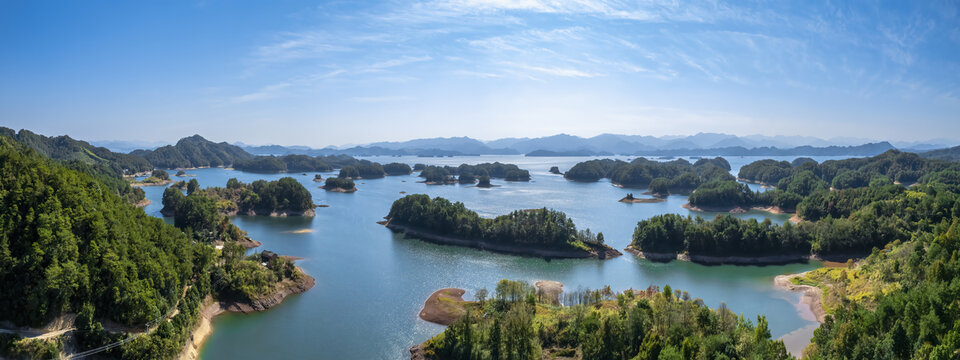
[[317, 178], [541, 233], [339, 185], [157, 178], [635, 200], [555, 170]]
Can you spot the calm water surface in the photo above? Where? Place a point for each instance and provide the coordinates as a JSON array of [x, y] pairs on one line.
[[371, 283]]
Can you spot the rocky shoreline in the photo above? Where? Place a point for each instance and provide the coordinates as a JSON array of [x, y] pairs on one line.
[[607, 253], [734, 209], [724, 260]]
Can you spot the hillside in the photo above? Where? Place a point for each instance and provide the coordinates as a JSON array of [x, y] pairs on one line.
[[193, 151], [948, 154], [67, 149], [104, 165]]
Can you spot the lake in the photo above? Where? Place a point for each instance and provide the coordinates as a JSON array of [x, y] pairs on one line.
[[371, 283]]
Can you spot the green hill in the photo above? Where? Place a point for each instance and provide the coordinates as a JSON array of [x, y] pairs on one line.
[[193, 151]]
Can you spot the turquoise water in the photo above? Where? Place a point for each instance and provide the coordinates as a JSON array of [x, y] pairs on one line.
[[371, 283]]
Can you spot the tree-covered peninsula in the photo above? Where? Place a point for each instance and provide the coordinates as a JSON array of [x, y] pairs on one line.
[[536, 232], [679, 176], [898, 303], [521, 322], [284, 197], [70, 245]]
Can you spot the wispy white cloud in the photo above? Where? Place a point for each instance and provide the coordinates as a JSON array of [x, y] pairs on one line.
[[403, 60], [380, 99], [552, 71], [265, 92]]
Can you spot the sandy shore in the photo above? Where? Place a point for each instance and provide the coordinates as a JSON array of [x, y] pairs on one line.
[[812, 295], [444, 306], [211, 308], [142, 203]]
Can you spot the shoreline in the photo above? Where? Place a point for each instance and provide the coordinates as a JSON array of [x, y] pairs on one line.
[[812, 295], [735, 209], [723, 260], [339, 190], [642, 201], [761, 183], [141, 184], [543, 253], [211, 308]]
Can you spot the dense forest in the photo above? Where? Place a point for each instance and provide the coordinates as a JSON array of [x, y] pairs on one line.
[[536, 227], [66, 242], [899, 303], [104, 165], [841, 222], [816, 190], [600, 324], [948, 154], [70, 245], [677, 175], [363, 169], [285, 196], [902, 167], [193, 151], [448, 174]]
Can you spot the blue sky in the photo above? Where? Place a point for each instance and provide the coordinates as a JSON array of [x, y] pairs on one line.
[[322, 73]]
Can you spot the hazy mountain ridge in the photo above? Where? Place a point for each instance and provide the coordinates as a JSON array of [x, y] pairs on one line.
[[606, 144]]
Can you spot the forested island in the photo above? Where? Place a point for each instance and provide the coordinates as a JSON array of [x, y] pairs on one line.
[[336, 184], [284, 197], [132, 280], [537, 232], [519, 322], [448, 174], [677, 176]]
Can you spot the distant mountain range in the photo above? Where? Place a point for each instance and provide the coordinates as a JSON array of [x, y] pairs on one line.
[[613, 144]]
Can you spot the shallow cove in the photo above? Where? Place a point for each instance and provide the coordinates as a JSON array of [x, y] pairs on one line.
[[371, 283]]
